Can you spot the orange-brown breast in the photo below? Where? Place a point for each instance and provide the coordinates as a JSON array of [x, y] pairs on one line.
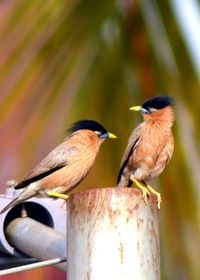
[[153, 151]]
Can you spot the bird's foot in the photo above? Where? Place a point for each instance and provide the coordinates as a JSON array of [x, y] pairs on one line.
[[57, 195], [157, 194], [145, 191]]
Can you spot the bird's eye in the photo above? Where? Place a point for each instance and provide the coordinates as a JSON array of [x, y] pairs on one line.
[[98, 133], [150, 109]]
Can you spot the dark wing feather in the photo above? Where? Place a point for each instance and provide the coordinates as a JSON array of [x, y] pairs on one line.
[[132, 143], [38, 177], [55, 160]]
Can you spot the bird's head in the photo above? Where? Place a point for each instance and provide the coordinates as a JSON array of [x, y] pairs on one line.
[[158, 107], [91, 128]]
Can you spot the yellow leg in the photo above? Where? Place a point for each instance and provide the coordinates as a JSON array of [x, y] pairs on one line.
[[145, 191], [158, 195], [57, 195]]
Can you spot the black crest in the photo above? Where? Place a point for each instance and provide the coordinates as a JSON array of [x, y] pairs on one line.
[[87, 124], [158, 102]]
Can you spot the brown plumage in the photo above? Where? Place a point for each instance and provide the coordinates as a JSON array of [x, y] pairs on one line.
[[150, 146], [66, 166]]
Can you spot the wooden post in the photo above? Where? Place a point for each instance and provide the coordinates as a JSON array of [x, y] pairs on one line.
[[112, 234]]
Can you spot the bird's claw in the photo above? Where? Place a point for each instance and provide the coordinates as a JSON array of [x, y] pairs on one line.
[[159, 199], [157, 194], [145, 191], [145, 194]]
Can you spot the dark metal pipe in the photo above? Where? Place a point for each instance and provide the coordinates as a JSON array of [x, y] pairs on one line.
[[36, 240]]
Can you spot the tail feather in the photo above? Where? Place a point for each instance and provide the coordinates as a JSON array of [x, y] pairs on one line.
[[13, 203], [31, 191]]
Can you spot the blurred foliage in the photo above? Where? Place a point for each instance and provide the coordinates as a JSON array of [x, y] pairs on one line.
[[61, 61]]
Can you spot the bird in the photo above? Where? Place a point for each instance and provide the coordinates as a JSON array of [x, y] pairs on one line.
[[66, 165], [150, 146]]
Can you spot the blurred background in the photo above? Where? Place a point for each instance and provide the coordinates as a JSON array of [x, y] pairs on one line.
[[62, 60]]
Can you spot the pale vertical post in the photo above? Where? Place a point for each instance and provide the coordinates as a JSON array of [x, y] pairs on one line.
[[112, 234]]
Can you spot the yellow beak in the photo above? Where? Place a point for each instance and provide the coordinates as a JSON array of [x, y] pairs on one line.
[[136, 108], [111, 135], [139, 109]]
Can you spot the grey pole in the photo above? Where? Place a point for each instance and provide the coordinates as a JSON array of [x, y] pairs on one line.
[[37, 240]]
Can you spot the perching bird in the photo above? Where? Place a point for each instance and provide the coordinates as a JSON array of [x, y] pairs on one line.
[[66, 166], [150, 146]]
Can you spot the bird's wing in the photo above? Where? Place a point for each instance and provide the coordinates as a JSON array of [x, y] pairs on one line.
[[55, 160], [132, 143]]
